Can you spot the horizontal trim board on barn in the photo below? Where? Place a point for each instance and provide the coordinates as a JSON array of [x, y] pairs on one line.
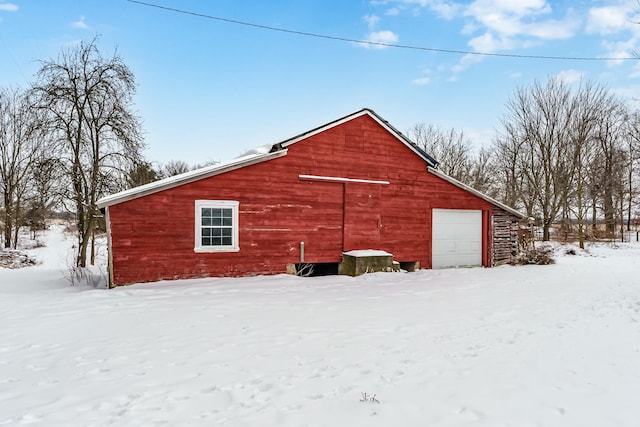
[[338, 179]]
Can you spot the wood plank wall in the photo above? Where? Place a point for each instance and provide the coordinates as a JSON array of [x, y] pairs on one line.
[[505, 236]]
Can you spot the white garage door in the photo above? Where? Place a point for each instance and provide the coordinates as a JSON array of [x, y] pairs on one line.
[[456, 238]]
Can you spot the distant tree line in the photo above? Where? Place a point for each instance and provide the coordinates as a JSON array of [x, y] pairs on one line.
[[143, 172], [563, 153]]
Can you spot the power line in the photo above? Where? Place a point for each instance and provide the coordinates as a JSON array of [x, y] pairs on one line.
[[370, 43]]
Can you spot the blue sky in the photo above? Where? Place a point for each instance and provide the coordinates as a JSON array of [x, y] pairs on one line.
[[210, 90]]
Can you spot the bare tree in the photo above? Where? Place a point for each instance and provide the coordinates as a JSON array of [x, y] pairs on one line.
[[589, 101], [450, 148], [174, 167], [481, 175], [44, 191], [633, 180], [609, 138], [561, 154], [506, 165], [19, 144], [537, 127], [88, 102]]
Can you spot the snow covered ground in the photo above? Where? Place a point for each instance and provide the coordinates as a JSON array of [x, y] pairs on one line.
[[525, 346]]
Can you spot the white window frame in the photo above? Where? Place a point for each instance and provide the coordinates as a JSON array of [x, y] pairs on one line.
[[216, 204]]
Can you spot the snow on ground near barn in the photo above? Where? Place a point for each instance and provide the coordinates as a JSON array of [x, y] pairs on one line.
[[512, 346]]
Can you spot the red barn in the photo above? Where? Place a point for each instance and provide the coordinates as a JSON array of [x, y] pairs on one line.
[[354, 183]]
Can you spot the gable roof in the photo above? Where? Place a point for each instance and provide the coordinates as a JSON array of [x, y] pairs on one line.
[[274, 151]]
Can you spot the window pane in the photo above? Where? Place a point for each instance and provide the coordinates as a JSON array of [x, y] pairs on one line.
[[217, 226]]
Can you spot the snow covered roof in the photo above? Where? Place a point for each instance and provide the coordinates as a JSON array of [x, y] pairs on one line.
[[250, 158], [475, 192]]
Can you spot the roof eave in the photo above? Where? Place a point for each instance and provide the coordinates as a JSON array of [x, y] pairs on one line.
[[185, 178], [475, 192]]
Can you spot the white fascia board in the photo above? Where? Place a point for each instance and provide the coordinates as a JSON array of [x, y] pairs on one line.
[[339, 179], [475, 192], [187, 177]]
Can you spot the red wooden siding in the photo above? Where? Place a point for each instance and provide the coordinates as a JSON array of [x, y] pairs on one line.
[[362, 216], [153, 236]]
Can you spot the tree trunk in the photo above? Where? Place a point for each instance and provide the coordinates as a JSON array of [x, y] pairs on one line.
[[594, 217], [609, 211], [93, 247], [621, 218], [580, 207], [8, 227], [7, 233], [545, 231]]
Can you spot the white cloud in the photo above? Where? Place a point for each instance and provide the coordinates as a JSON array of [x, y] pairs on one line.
[[620, 49], [619, 23], [517, 8], [466, 62], [422, 81], [516, 75], [469, 28], [489, 43], [522, 18], [609, 20], [446, 9], [8, 7], [80, 24], [394, 11], [553, 29], [384, 37], [570, 76], [371, 20]]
